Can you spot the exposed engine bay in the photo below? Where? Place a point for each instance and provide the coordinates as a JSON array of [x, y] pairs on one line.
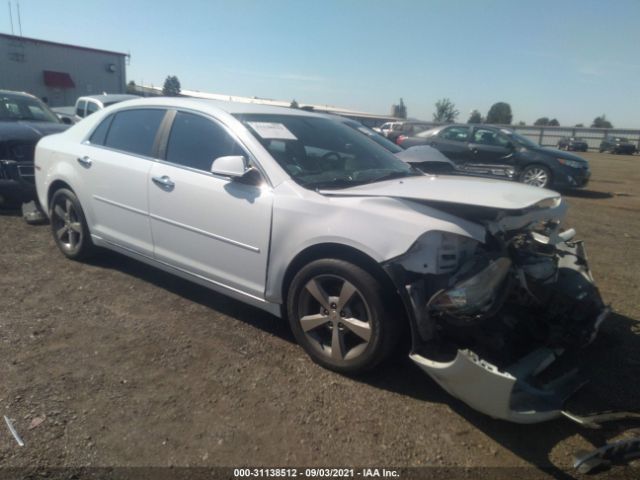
[[489, 318]]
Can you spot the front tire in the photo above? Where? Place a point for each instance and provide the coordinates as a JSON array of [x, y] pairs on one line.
[[338, 314], [536, 176], [69, 225]]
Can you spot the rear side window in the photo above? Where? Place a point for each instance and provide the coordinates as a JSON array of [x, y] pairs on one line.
[[99, 135], [135, 131], [92, 108], [196, 142], [80, 108]]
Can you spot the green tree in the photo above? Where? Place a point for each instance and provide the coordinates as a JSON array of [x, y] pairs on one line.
[[131, 87], [475, 117], [500, 113], [579, 124], [400, 110], [294, 104], [541, 122], [171, 86], [445, 111], [522, 124], [554, 122], [601, 122]]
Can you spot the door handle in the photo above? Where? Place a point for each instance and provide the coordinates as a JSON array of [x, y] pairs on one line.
[[164, 182], [84, 161]]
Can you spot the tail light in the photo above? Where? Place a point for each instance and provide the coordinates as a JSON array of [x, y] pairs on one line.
[[400, 139]]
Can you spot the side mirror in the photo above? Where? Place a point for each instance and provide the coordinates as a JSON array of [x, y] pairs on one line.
[[233, 166], [65, 120]]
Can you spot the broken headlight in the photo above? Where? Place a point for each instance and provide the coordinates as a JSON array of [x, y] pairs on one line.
[[476, 292]]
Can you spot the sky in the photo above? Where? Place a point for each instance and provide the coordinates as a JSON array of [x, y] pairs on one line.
[[572, 60]]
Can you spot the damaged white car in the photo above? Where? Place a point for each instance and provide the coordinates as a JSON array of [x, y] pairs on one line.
[[308, 219]]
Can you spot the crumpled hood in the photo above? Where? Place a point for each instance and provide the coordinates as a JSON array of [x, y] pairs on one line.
[[478, 192], [24, 131]]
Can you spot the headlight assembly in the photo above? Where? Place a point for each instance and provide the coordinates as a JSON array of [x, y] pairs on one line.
[[571, 163], [476, 293]]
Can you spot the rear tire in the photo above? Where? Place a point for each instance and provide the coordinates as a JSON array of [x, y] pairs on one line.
[[339, 316], [69, 226]]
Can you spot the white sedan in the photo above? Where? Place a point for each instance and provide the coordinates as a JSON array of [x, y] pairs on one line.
[[308, 219]]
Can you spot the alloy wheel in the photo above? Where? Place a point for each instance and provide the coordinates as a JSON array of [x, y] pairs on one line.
[[66, 225], [335, 317], [535, 176]]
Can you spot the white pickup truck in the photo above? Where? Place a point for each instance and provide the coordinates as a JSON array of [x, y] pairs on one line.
[[89, 104]]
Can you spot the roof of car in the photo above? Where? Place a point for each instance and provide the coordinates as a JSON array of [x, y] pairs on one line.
[[13, 92], [111, 97], [228, 107]]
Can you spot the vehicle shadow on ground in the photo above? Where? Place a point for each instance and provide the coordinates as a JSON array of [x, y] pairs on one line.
[[592, 194], [614, 363], [198, 294]]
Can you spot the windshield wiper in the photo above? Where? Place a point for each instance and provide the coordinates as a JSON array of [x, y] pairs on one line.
[[338, 183], [394, 175]]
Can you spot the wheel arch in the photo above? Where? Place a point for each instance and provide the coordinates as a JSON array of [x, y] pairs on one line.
[[54, 187], [348, 254]]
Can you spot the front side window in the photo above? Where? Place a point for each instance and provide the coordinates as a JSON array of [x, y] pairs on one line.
[[485, 136], [322, 153], [456, 134], [196, 142], [134, 131]]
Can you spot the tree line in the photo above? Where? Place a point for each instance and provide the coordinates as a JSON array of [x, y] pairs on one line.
[[500, 113]]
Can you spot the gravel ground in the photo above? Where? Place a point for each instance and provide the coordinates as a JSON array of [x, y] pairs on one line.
[[113, 363]]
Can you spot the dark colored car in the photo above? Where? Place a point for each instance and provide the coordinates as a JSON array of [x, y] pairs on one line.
[[573, 143], [24, 120], [499, 151], [616, 144], [427, 159]]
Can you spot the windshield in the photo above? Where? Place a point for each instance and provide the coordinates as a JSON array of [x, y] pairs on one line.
[[375, 136], [21, 107], [522, 140], [322, 153]]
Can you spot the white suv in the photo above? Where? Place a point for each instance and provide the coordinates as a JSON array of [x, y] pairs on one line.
[[308, 219]]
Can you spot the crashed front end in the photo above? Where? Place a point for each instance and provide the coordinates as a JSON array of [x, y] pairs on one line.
[[489, 318]]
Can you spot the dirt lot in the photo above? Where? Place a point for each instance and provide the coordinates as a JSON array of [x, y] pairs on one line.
[[124, 365]]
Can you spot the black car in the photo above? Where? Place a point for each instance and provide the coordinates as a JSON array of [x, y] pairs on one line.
[[616, 144], [573, 143], [502, 152], [23, 121]]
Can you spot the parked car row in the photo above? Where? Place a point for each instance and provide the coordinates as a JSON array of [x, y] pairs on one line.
[[319, 222], [502, 152], [89, 104]]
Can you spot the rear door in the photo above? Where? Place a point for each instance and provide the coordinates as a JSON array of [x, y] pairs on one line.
[[210, 226], [490, 147], [115, 167], [452, 142]]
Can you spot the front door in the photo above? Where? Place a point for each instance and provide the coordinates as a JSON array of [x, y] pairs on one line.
[[213, 227], [490, 147]]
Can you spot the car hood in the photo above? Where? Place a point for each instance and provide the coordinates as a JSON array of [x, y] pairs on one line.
[[28, 131], [561, 154], [494, 194]]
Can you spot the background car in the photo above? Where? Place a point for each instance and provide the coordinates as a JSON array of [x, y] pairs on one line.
[[616, 144], [89, 104], [427, 159], [498, 150], [576, 144], [404, 128], [24, 120]]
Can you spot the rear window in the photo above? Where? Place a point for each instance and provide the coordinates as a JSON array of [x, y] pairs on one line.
[[134, 131]]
